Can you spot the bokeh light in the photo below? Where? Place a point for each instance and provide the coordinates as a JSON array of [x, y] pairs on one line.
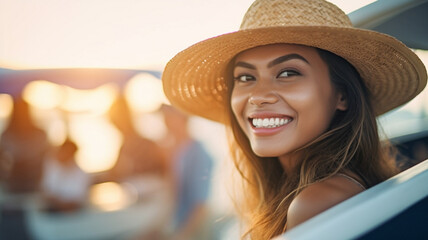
[[144, 93], [98, 141], [110, 196], [6, 103], [52, 121], [95, 101], [151, 125], [43, 94]]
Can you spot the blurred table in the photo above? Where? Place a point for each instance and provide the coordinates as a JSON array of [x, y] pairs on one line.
[[95, 224]]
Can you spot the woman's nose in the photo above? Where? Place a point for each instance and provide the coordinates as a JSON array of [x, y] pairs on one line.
[[263, 93]]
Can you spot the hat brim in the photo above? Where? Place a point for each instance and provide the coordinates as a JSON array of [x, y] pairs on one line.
[[194, 80]]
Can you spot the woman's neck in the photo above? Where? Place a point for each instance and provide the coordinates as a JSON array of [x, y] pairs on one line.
[[289, 161]]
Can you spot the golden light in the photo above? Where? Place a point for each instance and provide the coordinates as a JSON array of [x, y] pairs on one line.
[[52, 121], [110, 196], [144, 93], [57, 131], [98, 141], [96, 101], [151, 126], [43, 94], [6, 103]]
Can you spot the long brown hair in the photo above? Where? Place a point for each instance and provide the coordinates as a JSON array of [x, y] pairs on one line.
[[351, 143]]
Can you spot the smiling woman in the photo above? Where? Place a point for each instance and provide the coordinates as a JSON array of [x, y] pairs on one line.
[[299, 106], [145, 34]]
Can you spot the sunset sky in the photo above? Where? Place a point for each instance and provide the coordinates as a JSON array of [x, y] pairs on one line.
[[141, 34]]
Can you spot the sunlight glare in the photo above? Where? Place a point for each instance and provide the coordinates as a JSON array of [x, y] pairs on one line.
[[57, 131], [51, 121], [125, 34], [96, 101], [151, 126], [43, 94], [6, 103], [144, 93], [98, 140]]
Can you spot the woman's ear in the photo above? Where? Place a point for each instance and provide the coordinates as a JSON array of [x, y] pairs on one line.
[[342, 102]]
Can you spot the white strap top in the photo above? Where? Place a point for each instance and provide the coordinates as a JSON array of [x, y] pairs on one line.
[[352, 179]]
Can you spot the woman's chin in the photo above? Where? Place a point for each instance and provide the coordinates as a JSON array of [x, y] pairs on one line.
[[266, 152]]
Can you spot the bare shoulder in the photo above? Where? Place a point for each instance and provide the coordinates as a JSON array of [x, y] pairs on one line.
[[319, 197]]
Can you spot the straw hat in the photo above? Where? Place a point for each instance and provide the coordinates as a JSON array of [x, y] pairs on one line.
[[194, 80]]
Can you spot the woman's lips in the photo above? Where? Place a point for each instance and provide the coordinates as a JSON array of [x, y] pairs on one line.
[[268, 124]]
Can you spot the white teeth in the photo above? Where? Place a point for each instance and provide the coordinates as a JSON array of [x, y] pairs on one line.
[[269, 122], [265, 122]]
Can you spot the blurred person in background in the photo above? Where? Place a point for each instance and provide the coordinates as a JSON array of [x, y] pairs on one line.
[[23, 147], [139, 158], [191, 170], [64, 186]]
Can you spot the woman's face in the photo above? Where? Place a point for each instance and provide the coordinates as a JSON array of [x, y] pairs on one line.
[[283, 97]]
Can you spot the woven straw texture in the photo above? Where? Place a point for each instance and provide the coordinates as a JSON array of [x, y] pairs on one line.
[[194, 80]]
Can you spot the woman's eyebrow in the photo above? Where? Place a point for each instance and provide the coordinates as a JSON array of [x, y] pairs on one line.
[[275, 61], [245, 65], [286, 58]]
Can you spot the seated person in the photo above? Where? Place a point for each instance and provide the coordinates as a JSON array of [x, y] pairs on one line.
[[64, 184]]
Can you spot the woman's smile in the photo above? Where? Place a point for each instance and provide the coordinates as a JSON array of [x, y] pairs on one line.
[[265, 123]]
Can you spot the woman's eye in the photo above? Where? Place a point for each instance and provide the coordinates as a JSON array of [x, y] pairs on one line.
[[244, 78], [288, 73]]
